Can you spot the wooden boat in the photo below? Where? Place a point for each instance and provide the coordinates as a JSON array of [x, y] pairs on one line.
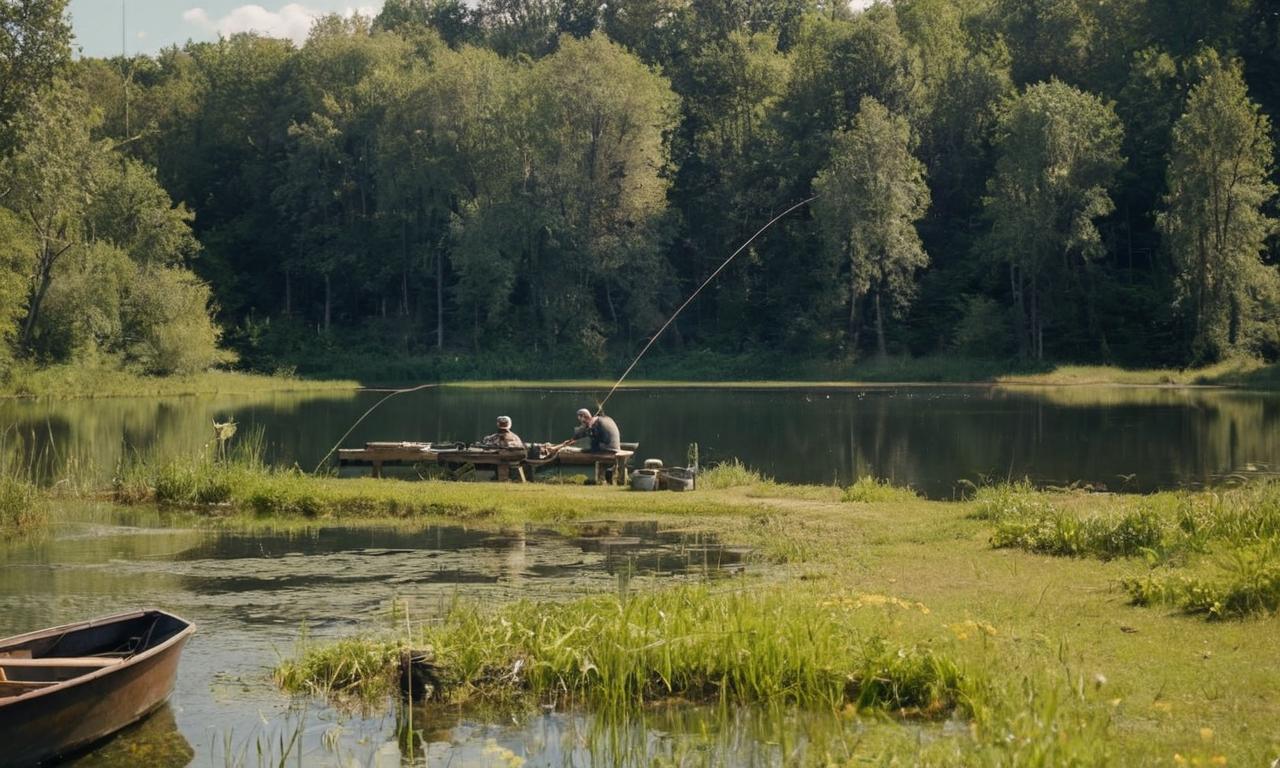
[[67, 687]]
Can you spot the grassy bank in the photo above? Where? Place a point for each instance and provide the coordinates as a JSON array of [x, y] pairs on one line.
[[1028, 615], [68, 381]]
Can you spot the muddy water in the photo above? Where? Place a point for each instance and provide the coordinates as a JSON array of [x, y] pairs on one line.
[[932, 437], [250, 593]]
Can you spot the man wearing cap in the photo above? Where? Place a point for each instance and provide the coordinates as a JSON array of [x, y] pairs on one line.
[[504, 437], [602, 430]]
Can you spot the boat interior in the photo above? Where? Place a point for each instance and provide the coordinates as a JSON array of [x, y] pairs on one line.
[[48, 659]]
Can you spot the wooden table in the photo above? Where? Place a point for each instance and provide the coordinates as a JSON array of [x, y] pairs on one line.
[[377, 454]]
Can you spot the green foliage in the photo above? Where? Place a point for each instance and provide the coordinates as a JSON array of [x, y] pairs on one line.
[[554, 177], [1215, 226], [1059, 149], [169, 320], [870, 196], [34, 47]]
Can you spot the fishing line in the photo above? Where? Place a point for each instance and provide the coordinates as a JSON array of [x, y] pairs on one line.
[[694, 295], [625, 373], [364, 415]]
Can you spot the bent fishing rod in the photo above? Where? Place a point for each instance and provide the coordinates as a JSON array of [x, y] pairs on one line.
[[631, 367]]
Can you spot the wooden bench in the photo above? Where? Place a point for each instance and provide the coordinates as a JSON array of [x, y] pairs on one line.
[[566, 457]]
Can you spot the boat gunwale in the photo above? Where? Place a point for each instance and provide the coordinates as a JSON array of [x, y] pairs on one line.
[[181, 635]]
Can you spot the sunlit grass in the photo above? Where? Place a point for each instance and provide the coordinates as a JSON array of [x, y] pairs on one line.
[[73, 381], [871, 490]]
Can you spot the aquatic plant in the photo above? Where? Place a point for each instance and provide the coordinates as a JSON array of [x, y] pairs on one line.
[[23, 506], [620, 652], [362, 668]]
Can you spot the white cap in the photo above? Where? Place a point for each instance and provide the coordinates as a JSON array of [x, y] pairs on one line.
[[584, 412], [504, 422]]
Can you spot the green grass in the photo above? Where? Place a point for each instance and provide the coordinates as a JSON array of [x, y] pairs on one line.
[[1060, 662], [24, 507], [688, 643], [1212, 553], [72, 381], [871, 490]]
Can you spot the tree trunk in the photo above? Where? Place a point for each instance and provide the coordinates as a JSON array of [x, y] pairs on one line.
[[328, 301], [1037, 329], [880, 327], [440, 301], [855, 326], [288, 292], [44, 272], [1015, 287]]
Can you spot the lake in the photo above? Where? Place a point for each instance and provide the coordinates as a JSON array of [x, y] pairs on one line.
[[932, 438], [252, 593]]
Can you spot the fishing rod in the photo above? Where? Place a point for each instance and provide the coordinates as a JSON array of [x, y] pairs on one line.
[[694, 295], [365, 415]]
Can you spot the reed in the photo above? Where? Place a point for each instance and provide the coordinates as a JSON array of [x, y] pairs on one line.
[[623, 652], [24, 505]]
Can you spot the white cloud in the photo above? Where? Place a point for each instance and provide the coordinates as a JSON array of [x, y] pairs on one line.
[[292, 21]]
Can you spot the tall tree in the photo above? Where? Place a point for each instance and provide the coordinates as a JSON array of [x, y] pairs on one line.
[[870, 196], [1214, 223], [35, 43], [53, 178], [1058, 150]]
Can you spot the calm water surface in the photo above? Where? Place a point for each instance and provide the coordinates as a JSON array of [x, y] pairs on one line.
[[1123, 438], [250, 593]]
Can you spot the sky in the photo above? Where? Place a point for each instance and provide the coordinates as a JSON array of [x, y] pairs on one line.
[[155, 24]]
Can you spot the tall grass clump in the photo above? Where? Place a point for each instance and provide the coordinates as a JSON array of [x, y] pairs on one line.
[[729, 474], [199, 479], [1058, 532], [1245, 582], [356, 667], [617, 653], [869, 489], [24, 506], [689, 643], [1015, 499]]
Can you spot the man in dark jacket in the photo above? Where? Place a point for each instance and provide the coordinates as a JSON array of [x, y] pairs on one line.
[[602, 430]]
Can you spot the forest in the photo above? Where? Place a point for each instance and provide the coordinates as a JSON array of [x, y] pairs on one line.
[[547, 180]]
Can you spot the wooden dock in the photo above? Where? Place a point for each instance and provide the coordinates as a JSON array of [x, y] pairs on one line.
[[376, 455]]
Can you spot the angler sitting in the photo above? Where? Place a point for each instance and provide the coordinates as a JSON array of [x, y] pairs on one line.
[[504, 437], [604, 435]]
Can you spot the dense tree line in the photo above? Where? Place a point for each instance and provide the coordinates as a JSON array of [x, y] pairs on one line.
[[94, 255], [1060, 179]]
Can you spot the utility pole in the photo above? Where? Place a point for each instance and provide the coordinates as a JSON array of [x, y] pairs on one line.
[[124, 59]]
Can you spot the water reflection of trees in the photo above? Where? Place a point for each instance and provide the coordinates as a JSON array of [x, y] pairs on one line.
[[91, 437], [929, 437]]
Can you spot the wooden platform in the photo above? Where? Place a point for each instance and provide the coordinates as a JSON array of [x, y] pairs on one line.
[[379, 454]]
